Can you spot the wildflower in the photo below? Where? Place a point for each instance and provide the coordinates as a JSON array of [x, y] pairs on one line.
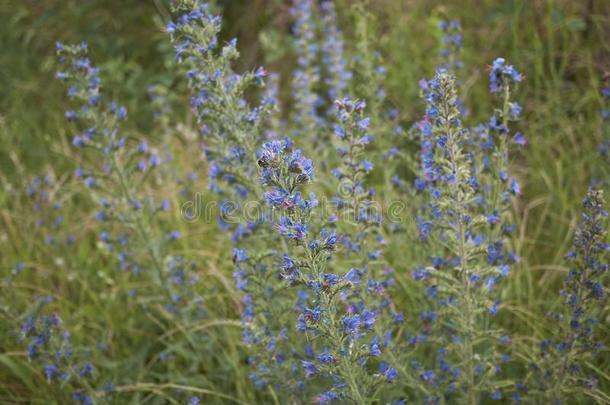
[[333, 53], [515, 188], [326, 398], [326, 357], [50, 371], [577, 329], [89, 182], [452, 182], [351, 324], [391, 374], [310, 368], [451, 44], [306, 76], [131, 231], [501, 75], [519, 139], [374, 347]]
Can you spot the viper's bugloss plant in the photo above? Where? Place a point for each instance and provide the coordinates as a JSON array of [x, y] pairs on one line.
[[490, 164], [358, 217], [451, 45], [50, 206], [335, 316], [306, 76], [49, 346], [565, 365], [467, 253], [232, 132], [391, 146], [369, 71], [450, 53], [271, 98], [114, 168], [115, 165], [334, 58], [604, 145], [228, 125]]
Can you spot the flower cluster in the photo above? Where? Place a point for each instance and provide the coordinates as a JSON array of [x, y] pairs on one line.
[[121, 172], [450, 50], [49, 346], [42, 191], [469, 255], [339, 329], [561, 370], [369, 80], [306, 76], [231, 131], [502, 75], [126, 212], [452, 44], [228, 125], [338, 75], [357, 215], [604, 145]]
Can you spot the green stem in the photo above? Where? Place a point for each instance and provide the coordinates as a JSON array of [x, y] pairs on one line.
[[459, 205]]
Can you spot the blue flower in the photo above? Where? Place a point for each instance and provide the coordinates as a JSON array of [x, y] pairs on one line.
[[296, 232], [374, 347], [71, 115], [519, 139], [515, 188], [325, 357], [501, 74], [239, 255], [310, 368], [351, 324], [515, 110], [326, 397], [427, 376], [367, 319], [363, 124], [301, 165], [367, 166], [390, 373], [50, 371]]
